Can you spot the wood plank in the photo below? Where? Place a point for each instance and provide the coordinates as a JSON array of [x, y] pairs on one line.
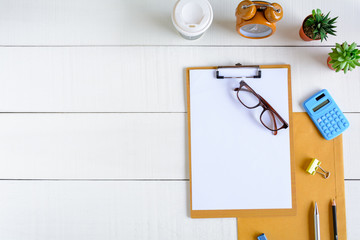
[[148, 79], [118, 210], [138, 22], [39, 210], [111, 146], [351, 142], [93, 146], [352, 194]]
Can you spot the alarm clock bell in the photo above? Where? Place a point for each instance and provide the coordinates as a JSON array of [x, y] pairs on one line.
[[257, 19]]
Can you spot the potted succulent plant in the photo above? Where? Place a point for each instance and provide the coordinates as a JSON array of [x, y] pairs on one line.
[[344, 57], [317, 26]]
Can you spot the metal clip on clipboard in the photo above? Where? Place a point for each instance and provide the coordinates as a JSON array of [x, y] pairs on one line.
[[255, 68]]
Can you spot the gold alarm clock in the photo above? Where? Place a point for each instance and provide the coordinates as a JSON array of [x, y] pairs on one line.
[[257, 19]]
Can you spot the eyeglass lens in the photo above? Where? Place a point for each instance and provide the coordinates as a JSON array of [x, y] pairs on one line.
[[250, 100], [270, 120], [247, 97]]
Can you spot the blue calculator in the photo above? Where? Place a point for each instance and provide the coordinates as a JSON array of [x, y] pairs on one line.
[[326, 115]]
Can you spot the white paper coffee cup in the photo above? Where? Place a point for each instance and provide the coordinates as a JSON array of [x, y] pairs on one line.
[[192, 18]]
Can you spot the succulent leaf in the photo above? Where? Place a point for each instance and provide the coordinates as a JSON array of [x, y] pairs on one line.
[[336, 64], [342, 65], [352, 47]]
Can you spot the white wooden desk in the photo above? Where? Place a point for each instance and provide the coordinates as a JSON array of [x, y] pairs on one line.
[[93, 138]]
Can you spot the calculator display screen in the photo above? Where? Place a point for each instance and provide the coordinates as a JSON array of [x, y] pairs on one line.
[[321, 105]]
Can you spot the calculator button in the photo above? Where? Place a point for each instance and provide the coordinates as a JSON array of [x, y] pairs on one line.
[[323, 117], [332, 122], [334, 109], [346, 124], [334, 116], [337, 129], [326, 121], [331, 128], [319, 120], [322, 124], [327, 131], [329, 135], [337, 119], [337, 113], [330, 118], [341, 117], [328, 125], [331, 112], [327, 115], [340, 125], [333, 132], [343, 121]]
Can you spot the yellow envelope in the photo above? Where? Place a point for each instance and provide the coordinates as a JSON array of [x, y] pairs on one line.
[[308, 144]]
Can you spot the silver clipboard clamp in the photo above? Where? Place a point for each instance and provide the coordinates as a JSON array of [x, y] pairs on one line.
[[238, 65]]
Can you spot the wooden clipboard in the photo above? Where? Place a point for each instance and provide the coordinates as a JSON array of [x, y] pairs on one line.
[[308, 144], [245, 212]]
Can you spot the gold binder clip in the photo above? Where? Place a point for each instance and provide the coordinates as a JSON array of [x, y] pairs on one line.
[[313, 167]]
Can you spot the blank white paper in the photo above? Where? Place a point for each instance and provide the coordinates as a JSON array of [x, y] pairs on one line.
[[236, 163]]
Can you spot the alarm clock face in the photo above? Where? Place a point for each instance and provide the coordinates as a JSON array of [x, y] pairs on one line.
[[256, 30]]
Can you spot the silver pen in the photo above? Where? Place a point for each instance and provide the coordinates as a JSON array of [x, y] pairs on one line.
[[316, 222]]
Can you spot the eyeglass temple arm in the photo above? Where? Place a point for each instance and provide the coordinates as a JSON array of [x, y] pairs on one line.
[[285, 123], [273, 118]]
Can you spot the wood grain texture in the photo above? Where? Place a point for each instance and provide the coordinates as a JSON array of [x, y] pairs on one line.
[[39, 210], [111, 146], [351, 143], [148, 79], [352, 197], [139, 22], [93, 146]]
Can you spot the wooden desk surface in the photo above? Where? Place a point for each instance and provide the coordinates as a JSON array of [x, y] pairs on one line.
[[93, 118]]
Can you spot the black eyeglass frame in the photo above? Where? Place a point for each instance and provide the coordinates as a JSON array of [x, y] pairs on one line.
[[264, 104]]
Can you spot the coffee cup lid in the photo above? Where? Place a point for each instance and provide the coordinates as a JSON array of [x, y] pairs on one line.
[[192, 17]]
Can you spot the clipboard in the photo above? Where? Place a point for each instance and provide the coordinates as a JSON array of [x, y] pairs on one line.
[[244, 212], [309, 144]]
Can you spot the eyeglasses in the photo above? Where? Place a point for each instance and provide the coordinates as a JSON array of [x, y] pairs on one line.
[[269, 117]]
